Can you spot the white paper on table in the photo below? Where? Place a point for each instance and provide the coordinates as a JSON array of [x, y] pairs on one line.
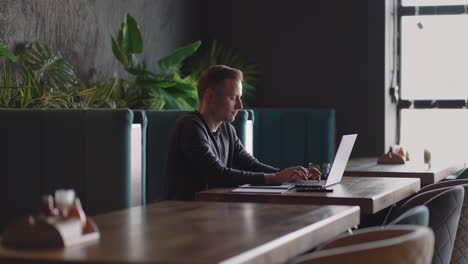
[[258, 190], [281, 187]]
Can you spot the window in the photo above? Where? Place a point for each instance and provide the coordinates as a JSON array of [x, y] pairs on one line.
[[433, 77]]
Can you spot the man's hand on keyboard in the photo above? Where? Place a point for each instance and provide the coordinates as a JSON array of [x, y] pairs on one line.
[[291, 174], [314, 174]]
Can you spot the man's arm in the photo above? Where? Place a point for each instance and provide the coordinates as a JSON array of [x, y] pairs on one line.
[[246, 161], [195, 145]]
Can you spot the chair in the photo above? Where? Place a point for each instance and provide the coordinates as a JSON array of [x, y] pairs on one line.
[[418, 215], [396, 244], [460, 248], [444, 206], [463, 174]]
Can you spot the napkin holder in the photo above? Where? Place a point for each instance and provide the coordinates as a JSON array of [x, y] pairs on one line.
[[35, 232], [391, 158]]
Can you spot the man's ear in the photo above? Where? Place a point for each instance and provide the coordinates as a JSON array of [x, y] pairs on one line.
[[209, 93]]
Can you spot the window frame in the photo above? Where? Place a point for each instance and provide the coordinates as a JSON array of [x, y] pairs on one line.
[[424, 10], [395, 92]]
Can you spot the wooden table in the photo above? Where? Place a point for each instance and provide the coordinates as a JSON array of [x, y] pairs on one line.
[[202, 232], [368, 167], [372, 194]]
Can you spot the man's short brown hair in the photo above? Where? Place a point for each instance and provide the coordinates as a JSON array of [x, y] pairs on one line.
[[214, 76]]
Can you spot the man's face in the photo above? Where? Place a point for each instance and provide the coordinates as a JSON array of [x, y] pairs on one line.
[[226, 100]]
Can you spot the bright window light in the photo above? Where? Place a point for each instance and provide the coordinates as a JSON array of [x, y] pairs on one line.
[[433, 2], [434, 57], [442, 131]]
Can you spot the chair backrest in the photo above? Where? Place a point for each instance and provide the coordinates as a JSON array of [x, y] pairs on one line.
[[286, 137], [463, 174], [397, 244], [444, 206], [159, 131], [460, 248], [42, 150], [418, 215], [442, 184]]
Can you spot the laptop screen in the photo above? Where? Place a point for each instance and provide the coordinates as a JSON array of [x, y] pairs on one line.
[[341, 159]]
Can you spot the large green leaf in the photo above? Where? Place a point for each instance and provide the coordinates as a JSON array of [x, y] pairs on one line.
[[52, 70], [172, 63], [132, 41], [143, 73], [119, 54], [173, 102], [8, 54]]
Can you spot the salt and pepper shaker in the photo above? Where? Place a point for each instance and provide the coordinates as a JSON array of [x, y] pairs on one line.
[[427, 157], [64, 200]]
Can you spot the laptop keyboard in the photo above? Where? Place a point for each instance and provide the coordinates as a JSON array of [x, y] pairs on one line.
[[305, 183]]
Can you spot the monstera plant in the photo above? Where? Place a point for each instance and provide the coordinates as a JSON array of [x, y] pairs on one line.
[[45, 79], [49, 67]]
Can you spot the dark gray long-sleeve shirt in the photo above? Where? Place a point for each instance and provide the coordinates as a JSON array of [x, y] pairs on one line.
[[199, 159]]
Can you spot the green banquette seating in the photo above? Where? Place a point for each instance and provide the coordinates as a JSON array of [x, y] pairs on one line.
[[44, 150], [282, 137], [285, 137]]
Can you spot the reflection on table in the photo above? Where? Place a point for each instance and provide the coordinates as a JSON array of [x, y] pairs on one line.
[[202, 232], [372, 194], [437, 171]]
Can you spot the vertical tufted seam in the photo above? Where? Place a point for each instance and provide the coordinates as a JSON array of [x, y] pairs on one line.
[[84, 156]]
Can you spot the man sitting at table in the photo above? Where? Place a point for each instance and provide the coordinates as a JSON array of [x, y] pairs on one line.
[[205, 151]]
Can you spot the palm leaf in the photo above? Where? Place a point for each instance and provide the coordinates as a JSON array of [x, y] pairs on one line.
[[155, 84], [155, 100], [8, 54]]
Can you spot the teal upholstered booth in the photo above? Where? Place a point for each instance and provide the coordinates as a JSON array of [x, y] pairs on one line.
[[286, 137], [160, 123], [43, 150]]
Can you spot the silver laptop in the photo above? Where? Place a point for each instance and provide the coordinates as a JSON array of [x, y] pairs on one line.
[[338, 166]]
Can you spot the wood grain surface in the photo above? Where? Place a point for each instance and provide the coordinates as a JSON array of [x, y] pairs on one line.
[[368, 167], [372, 194], [202, 232]]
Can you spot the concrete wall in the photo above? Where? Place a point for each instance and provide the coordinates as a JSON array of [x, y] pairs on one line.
[[81, 29], [313, 54]]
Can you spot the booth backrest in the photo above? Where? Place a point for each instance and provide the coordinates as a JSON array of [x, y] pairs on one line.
[[158, 135], [286, 137], [44, 150]]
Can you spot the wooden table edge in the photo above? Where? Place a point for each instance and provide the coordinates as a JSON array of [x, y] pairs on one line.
[[250, 256]]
